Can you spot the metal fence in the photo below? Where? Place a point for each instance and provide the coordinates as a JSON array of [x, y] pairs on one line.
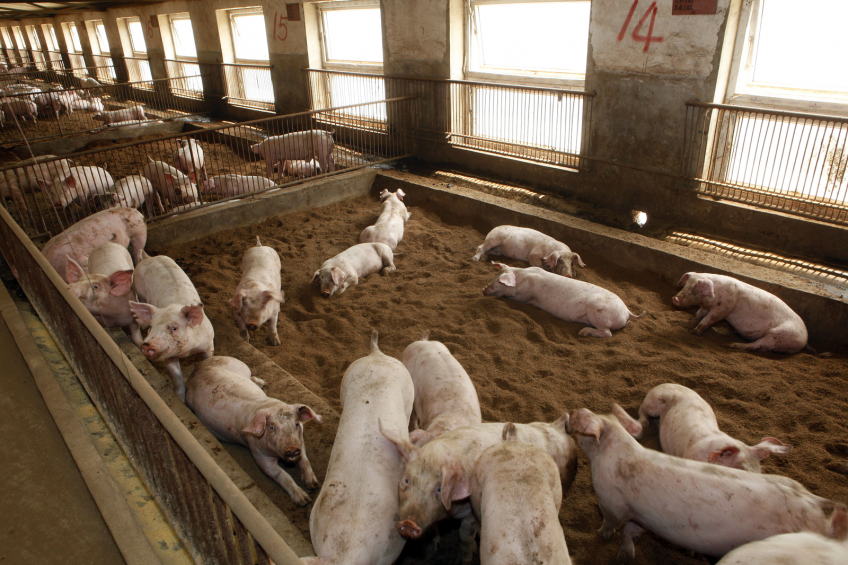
[[55, 60], [541, 124], [786, 161], [249, 86], [186, 82], [77, 64], [138, 69], [104, 69]]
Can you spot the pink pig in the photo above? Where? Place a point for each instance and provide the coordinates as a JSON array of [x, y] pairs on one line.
[[259, 294], [688, 428], [389, 226], [300, 145], [524, 244], [233, 185], [346, 268], [793, 549], [755, 314], [302, 169]]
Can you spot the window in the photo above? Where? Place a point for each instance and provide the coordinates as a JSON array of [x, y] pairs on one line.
[[72, 40], [352, 35], [102, 55], [19, 39], [250, 41], [183, 36], [52, 46], [74, 45], [136, 33], [102, 44], [7, 44], [36, 46], [138, 66], [184, 73]]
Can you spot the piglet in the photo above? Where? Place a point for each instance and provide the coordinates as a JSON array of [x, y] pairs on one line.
[[232, 405], [699, 506], [189, 158], [133, 113], [753, 313], [688, 428], [565, 298], [445, 398], [524, 244], [259, 293], [353, 519], [516, 495], [302, 169], [106, 290], [170, 306], [170, 183], [346, 268], [79, 184], [792, 549], [299, 145], [389, 226], [234, 185], [133, 192]]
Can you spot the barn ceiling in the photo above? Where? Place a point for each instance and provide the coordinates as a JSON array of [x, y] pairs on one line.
[[15, 10]]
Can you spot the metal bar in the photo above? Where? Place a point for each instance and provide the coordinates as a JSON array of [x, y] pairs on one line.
[[767, 111]]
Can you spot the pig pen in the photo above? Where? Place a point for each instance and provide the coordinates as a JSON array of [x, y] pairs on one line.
[[526, 365]]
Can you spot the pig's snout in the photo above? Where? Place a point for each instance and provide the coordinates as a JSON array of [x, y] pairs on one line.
[[325, 293], [292, 454], [252, 326], [675, 301], [148, 350], [409, 529]]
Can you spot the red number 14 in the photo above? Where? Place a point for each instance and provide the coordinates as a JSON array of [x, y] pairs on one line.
[[648, 39]]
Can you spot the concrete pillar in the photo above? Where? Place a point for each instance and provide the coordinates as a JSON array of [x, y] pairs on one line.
[[289, 53]]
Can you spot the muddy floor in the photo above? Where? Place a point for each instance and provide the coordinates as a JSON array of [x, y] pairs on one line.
[[527, 365]]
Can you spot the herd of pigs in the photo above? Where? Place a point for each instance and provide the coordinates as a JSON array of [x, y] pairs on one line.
[[411, 448]]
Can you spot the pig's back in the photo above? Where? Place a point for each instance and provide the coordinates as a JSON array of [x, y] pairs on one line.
[[82, 238], [109, 258], [161, 282]]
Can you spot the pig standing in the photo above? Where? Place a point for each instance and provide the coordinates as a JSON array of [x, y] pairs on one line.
[[753, 313], [301, 168], [170, 183], [19, 107], [300, 145], [389, 226], [443, 466], [106, 292], [232, 405], [77, 185], [123, 226], [699, 506], [259, 293], [233, 185], [688, 428], [445, 398], [516, 495], [170, 305], [189, 158], [127, 114], [346, 268], [45, 168], [791, 549], [565, 298], [524, 244], [134, 191], [353, 519]]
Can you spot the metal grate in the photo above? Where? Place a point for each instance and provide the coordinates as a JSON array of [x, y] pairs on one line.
[[185, 79], [138, 70], [249, 86]]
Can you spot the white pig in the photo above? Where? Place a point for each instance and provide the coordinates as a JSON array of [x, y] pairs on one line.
[[233, 185], [189, 158], [259, 293], [524, 244], [106, 292], [11, 191], [688, 428], [389, 226], [301, 168], [28, 172], [170, 305], [232, 405], [134, 191], [516, 495], [701, 507], [134, 113], [300, 145], [791, 549], [91, 105], [353, 519], [170, 183], [445, 398], [346, 268], [753, 313], [434, 485], [77, 185], [19, 107], [123, 226], [565, 298]]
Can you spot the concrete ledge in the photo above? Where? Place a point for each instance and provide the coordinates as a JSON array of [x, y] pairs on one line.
[[74, 143]]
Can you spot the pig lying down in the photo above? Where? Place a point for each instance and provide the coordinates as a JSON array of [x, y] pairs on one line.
[[700, 507], [353, 519], [753, 313], [565, 298], [259, 293], [445, 398], [524, 244], [389, 226], [792, 549], [233, 185], [232, 405], [170, 306], [688, 428], [346, 268]]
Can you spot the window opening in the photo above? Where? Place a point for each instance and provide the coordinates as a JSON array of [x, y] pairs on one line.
[[184, 70], [249, 80], [138, 67]]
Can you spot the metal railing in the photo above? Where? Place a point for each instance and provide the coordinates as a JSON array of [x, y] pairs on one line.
[[77, 64], [186, 81], [55, 60], [786, 161], [249, 86], [541, 124], [138, 70], [104, 69]]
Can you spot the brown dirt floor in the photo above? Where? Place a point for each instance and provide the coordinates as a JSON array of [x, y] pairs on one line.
[[527, 365]]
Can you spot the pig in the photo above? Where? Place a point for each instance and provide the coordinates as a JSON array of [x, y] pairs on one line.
[[698, 506], [11, 191], [189, 158], [524, 244], [90, 87], [170, 306], [300, 145], [353, 519], [259, 294], [77, 185], [445, 398], [443, 465], [19, 107], [389, 226], [170, 183], [565, 298], [233, 185], [91, 105], [791, 549], [516, 495], [123, 226], [107, 290], [301, 168], [133, 113], [753, 313], [346, 268], [28, 172], [233, 407], [57, 102], [688, 428], [134, 191]]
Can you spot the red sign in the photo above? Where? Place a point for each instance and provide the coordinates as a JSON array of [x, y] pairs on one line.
[[693, 7]]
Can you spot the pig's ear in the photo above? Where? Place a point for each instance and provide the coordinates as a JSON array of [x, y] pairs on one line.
[[400, 194], [236, 301], [120, 282], [192, 176], [562, 423], [42, 184], [304, 413], [551, 260], [703, 287], [143, 313], [337, 275], [632, 426], [169, 178], [73, 271], [768, 446], [727, 452], [406, 450], [268, 296], [454, 484], [575, 258], [499, 266], [257, 426], [510, 433], [316, 278], [839, 523], [507, 279], [384, 194], [255, 148], [585, 422], [71, 180], [193, 314], [683, 279]]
